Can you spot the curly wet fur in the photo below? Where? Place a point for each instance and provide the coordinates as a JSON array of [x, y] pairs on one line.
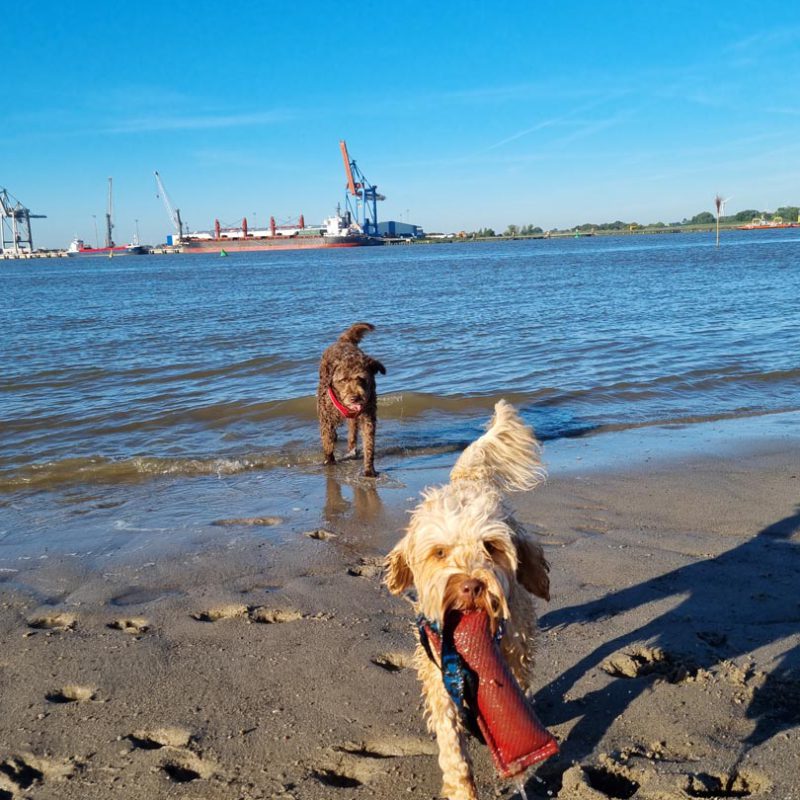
[[350, 372], [463, 533]]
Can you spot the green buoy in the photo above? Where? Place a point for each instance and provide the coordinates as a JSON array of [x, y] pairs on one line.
[[222, 253]]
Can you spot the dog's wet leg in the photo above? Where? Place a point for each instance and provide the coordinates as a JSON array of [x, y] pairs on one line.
[[327, 432], [352, 437], [443, 720], [367, 426]]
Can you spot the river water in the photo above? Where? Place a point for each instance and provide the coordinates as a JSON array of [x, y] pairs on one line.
[[139, 370]]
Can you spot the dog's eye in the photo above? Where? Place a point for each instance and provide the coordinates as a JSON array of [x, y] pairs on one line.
[[491, 549], [440, 552]]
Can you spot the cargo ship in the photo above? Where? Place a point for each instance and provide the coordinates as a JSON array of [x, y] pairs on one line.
[[338, 230], [355, 226], [77, 247]]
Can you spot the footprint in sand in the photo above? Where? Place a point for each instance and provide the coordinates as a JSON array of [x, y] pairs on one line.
[[393, 662], [598, 781], [336, 778], [355, 763], [390, 748], [260, 614], [321, 535], [713, 638], [157, 738], [185, 767], [367, 568], [269, 616], [54, 622], [22, 772], [232, 611], [642, 661], [178, 764], [739, 783], [71, 693], [133, 625]]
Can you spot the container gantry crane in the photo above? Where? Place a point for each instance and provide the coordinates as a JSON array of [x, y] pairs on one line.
[[361, 198], [12, 213]]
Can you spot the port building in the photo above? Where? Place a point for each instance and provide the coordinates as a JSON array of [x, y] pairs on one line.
[[399, 230]]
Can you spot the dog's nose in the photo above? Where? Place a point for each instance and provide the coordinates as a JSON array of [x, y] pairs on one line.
[[471, 589]]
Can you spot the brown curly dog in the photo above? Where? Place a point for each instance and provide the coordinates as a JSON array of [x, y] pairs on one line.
[[347, 391]]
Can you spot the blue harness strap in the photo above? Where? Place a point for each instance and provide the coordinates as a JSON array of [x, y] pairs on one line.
[[460, 682]]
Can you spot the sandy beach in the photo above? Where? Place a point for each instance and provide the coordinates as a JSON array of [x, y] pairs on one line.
[[269, 661]]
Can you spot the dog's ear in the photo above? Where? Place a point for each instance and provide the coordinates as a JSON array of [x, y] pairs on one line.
[[373, 365], [532, 566], [326, 367], [398, 575]]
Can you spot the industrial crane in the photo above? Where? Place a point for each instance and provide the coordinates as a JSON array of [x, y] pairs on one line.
[[11, 214], [173, 213], [109, 218], [364, 205]]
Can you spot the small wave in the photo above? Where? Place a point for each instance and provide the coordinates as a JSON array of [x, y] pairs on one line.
[[398, 406], [102, 470], [412, 404], [168, 411]]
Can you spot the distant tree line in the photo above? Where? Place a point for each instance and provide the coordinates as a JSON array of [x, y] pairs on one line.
[[787, 213], [511, 230]]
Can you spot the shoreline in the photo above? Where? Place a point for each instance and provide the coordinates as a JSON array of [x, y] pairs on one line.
[[250, 660], [565, 233], [104, 522]]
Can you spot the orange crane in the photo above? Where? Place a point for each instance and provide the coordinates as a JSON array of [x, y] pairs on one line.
[[351, 184], [364, 205]]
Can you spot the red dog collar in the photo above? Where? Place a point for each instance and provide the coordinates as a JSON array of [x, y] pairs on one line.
[[340, 407]]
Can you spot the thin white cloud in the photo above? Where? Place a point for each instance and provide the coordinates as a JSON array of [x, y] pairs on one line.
[[165, 122], [562, 119], [547, 123], [591, 128], [765, 40], [789, 111]]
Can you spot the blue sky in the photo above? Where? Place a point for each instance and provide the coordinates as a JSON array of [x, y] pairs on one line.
[[464, 114]]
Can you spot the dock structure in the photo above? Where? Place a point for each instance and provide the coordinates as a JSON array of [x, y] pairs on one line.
[[16, 238], [25, 254]]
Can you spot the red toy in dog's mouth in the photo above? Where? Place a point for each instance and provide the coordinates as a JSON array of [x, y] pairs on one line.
[[505, 717]]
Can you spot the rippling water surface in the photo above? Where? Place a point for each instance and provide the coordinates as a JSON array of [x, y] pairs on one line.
[[128, 369]]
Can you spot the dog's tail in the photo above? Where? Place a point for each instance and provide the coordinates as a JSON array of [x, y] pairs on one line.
[[507, 455], [355, 333]]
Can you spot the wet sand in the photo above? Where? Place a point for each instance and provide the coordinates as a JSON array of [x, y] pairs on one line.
[[270, 662]]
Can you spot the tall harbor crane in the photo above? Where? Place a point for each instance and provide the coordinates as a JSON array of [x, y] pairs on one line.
[[361, 197], [109, 217], [12, 215], [174, 214]]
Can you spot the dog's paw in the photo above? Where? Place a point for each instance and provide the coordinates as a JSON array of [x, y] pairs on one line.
[[369, 472]]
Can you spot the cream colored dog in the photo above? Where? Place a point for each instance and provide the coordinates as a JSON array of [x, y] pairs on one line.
[[463, 550]]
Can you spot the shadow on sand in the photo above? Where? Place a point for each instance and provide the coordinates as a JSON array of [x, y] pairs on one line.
[[725, 607]]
